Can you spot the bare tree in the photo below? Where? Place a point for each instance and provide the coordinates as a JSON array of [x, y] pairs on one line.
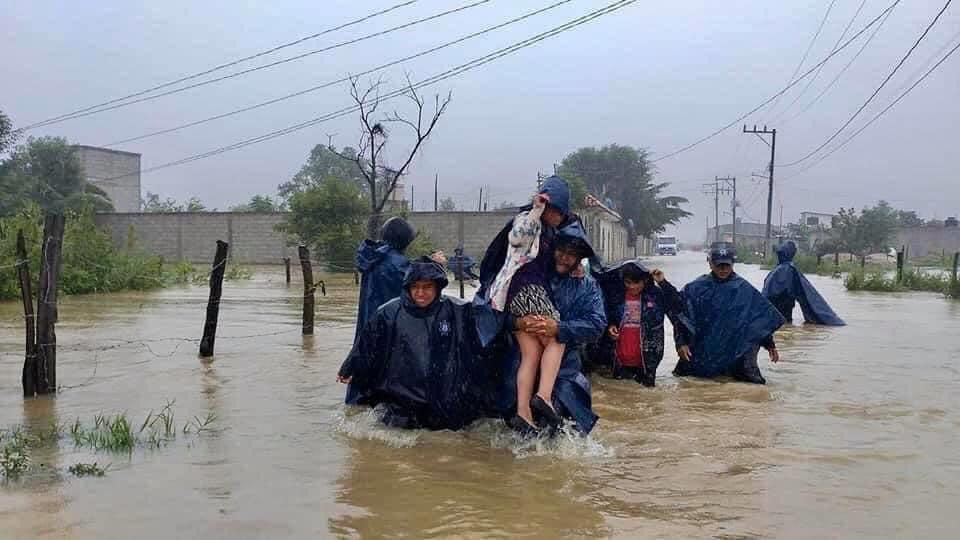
[[381, 179]]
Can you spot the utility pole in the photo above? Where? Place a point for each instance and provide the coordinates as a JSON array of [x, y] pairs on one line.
[[714, 188], [436, 199], [773, 157], [480, 201], [730, 186], [411, 198]]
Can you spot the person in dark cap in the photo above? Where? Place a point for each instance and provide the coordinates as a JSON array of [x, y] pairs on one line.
[[636, 300], [579, 304], [786, 286], [418, 357], [382, 265], [724, 324]]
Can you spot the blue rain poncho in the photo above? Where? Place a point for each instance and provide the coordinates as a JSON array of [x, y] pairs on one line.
[[785, 286], [382, 265], [724, 323], [423, 366], [582, 321]]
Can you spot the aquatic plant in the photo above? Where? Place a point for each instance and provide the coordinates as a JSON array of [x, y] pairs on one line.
[[88, 469], [14, 453], [236, 272]]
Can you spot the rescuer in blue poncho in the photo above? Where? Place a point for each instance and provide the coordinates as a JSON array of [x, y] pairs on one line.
[[786, 286], [419, 358], [382, 266], [578, 300], [724, 324]]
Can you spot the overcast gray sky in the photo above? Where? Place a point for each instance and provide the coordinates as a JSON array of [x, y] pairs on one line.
[[657, 75]]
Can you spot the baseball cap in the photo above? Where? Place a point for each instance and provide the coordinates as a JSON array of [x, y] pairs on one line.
[[723, 255]]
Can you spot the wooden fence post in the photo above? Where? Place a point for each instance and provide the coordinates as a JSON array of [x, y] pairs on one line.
[[29, 377], [286, 268], [956, 259], [308, 289], [460, 269], [53, 226], [900, 257], [209, 338]]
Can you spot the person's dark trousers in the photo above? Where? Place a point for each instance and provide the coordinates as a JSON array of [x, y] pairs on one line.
[[745, 369]]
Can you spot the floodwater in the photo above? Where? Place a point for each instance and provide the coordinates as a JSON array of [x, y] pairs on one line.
[[855, 435]]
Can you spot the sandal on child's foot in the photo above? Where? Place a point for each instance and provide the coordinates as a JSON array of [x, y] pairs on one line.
[[521, 426], [545, 410]]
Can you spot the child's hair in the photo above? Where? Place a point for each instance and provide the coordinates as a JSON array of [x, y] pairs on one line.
[[632, 273]]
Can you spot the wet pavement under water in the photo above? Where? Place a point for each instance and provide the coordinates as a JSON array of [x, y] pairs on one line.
[[854, 436]]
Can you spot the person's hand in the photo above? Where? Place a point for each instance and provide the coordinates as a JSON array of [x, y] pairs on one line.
[[546, 327], [684, 352], [614, 332], [439, 257], [540, 200], [774, 355], [525, 324], [578, 272], [344, 380], [658, 275]]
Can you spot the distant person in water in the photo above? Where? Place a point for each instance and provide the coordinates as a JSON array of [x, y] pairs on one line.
[[724, 324], [786, 286], [636, 300], [418, 357]]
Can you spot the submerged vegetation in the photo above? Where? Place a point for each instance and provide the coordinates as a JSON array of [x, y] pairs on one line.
[[108, 433], [912, 280]]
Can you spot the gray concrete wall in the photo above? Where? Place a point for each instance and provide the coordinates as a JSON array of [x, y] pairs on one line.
[[923, 241], [115, 172], [192, 236]]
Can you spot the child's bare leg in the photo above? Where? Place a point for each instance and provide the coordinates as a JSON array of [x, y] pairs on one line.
[[530, 352], [549, 367]]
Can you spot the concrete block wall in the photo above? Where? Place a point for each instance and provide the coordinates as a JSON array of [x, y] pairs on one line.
[[192, 236], [923, 241], [115, 172]]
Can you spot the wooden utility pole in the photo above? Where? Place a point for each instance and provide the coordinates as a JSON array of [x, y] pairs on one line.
[[53, 227], [308, 289], [773, 157], [213, 303], [29, 376], [480, 201]]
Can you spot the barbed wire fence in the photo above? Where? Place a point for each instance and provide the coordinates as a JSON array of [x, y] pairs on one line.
[[148, 346]]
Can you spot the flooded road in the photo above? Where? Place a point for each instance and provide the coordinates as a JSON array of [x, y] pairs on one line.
[[853, 437]]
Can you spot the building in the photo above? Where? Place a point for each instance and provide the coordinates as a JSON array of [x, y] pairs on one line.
[[116, 172], [749, 235], [605, 227], [817, 219]]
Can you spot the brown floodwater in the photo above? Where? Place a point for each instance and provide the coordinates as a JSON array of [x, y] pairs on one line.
[[855, 435]]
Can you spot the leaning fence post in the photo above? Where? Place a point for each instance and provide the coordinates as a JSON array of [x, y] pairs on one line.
[[213, 304], [286, 267], [900, 257], [956, 259], [460, 274], [29, 377], [308, 289]]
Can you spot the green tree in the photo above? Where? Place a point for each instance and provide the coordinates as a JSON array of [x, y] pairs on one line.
[[329, 217], [624, 175], [324, 162], [909, 218], [8, 135], [447, 204], [153, 203], [870, 231], [46, 171], [259, 203]]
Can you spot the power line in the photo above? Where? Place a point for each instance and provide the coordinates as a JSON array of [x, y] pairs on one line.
[[473, 64], [844, 70], [817, 74], [810, 46], [875, 92], [882, 112], [341, 80], [227, 64], [259, 68], [740, 118]]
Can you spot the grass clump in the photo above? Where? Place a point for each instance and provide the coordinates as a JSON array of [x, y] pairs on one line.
[[88, 469], [14, 453]]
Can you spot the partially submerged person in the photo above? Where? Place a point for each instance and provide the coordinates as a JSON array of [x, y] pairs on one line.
[[786, 286], [579, 304], [521, 288], [636, 300], [724, 324], [418, 357]]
